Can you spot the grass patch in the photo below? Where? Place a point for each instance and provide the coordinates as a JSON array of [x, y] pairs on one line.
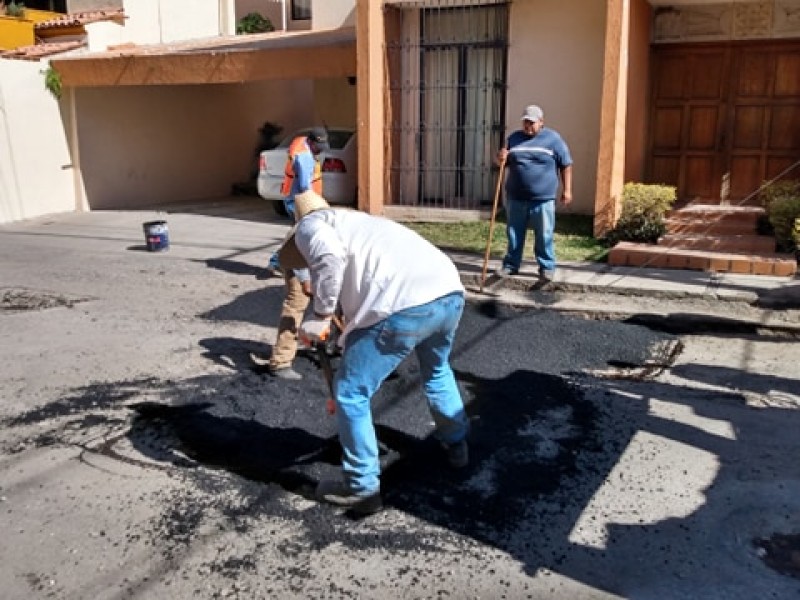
[[573, 239]]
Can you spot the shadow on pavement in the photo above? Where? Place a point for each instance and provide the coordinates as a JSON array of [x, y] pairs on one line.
[[543, 483], [259, 307], [237, 267]]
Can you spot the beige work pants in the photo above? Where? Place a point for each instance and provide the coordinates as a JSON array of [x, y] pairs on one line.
[[294, 307]]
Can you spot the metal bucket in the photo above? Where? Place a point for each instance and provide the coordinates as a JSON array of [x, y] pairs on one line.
[[156, 235]]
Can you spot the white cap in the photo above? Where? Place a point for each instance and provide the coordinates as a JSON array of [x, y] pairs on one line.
[[532, 113]]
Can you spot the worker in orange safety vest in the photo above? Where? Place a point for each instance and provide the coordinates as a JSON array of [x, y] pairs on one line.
[[301, 174], [303, 171]]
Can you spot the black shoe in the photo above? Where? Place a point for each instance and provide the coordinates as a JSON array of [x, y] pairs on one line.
[[546, 275], [336, 492], [457, 454]]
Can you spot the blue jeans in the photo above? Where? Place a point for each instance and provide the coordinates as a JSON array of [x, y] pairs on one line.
[[370, 355], [542, 216], [288, 203]]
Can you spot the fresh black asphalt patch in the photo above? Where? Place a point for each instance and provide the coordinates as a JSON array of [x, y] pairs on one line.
[[517, 370]]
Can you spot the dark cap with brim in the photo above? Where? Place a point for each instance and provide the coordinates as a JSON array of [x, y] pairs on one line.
[[319, 136]]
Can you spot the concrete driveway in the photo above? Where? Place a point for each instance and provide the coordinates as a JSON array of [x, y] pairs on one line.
[[142, 456]]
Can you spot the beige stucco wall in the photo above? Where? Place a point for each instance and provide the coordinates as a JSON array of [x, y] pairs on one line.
[[637, 93], [35, 170], [334, 99], [155, 144], [556, 61], [335, 102]]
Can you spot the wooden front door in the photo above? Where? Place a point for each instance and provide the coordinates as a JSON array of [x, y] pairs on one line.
[[724, 119]]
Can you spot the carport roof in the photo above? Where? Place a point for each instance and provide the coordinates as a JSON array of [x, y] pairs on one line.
[[226, 59]]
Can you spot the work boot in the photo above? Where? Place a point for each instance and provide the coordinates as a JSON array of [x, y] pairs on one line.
[[287, 373], [546, 275], [505, 272], [338, 493], [457, 454]]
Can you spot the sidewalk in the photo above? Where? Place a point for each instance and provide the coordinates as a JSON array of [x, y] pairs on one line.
[[601, 288]]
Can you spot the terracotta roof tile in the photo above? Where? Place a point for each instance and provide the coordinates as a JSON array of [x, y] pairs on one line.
[[38, 51], [71, 20], [80, 18]]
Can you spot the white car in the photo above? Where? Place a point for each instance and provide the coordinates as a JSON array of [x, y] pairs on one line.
[[339, 177]]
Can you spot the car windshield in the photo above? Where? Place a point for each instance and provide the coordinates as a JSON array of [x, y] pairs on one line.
[[337, 138]]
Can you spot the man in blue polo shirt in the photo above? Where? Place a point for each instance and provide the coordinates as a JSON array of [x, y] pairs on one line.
[[538, 162]]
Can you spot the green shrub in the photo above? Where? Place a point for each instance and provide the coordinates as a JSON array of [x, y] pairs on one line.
[[781, 201], [52, 82], [644, 207], [254, 23], [15, 9]]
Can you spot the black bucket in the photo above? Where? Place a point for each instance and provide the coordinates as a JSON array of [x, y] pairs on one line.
[[156, 234]]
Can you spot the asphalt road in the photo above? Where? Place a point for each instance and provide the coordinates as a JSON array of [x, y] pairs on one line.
[[142, 456]]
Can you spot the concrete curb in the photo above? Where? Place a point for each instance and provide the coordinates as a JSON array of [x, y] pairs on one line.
[[676, 311], [532, 284]]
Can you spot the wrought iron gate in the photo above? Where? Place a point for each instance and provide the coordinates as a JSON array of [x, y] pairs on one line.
[[447, 84]]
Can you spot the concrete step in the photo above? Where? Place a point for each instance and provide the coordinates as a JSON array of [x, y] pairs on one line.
[[722, 228], [714, 219], [742, 244], [712, 211], [655, 256]]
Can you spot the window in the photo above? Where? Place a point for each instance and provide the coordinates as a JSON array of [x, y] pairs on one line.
[[301, 10], [51, 5]]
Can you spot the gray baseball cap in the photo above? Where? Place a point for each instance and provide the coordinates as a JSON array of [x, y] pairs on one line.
[[532, 113]]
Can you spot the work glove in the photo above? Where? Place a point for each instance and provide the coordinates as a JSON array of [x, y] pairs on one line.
[[315, 329]]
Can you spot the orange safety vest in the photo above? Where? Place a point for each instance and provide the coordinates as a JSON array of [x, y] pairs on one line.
[[297, 146]]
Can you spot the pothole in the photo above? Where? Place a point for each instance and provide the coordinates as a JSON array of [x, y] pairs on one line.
[[662, 356], [18, 300], [781, 552]]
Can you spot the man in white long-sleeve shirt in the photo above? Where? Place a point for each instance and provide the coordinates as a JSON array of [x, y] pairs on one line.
[[398, 294]]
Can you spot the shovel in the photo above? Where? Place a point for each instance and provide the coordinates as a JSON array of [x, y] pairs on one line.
[[491, 223]]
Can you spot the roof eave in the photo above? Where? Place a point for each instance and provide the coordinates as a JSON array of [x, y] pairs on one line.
[[221, 60]]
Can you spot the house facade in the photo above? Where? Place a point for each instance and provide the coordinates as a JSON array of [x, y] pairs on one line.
[[701, 95], [154, 110], [698, 94]]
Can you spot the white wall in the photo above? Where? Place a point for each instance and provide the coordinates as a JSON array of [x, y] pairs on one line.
[[556, 61], [74, 6], [162, 21], [102, 34], [332, 14], [188, 19], [36, 175], [147, 145]]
